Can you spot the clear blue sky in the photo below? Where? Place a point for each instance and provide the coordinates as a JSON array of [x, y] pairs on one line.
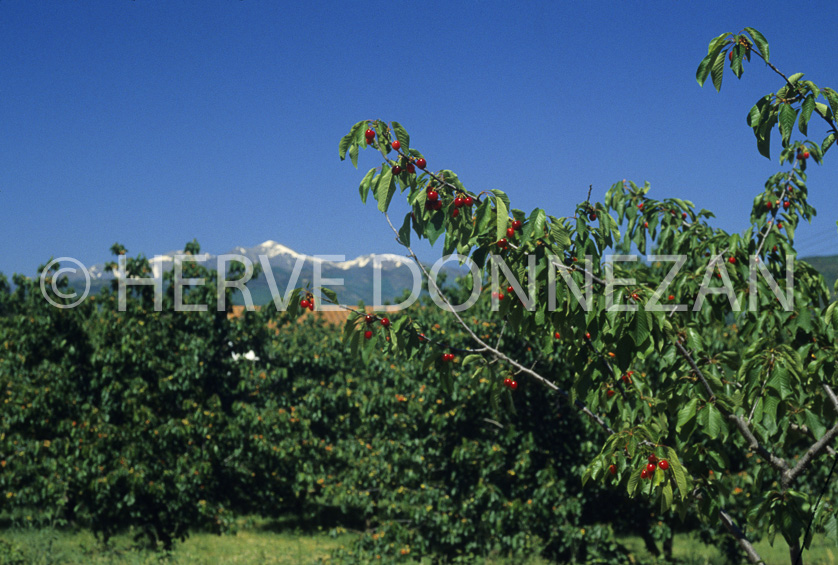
[[152, 123]]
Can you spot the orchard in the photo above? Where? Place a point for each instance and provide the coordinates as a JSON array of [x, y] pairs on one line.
[[628, 370], [710, 368]]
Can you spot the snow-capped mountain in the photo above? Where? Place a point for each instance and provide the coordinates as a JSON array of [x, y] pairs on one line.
[[357, 274]]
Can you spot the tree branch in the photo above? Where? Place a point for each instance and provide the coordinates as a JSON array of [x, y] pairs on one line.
[[498, 354], [811, 453], [737, 533], [740, 423]]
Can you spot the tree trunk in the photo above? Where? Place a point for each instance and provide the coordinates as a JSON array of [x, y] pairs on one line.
[[796, 553], [667, 545], [651, 546]]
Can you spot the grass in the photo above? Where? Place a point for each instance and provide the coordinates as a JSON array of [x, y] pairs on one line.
[[688, 549], [258, 543]]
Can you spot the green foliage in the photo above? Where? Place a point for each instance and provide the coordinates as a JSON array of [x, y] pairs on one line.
[[736, 382]]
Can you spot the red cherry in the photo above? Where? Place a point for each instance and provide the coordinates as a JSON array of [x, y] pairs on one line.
[[502, 242], [587, 336], [644, 474], [411, 169], [805, 155], [575, 259], [436, 205], [510, 289], [455, 213], [786, 205], [422, 337], [612, 469], [458, 202], [385, 322], [421, 163], [672, 297], [501, 296], [368, 334], [311, 305], [779, 225], [516, 224], [557, 335], [645, 224], [468, 201], [775, 248], [370, 135], [653, 458], [433, 195], [609, 393], [732, 260], [510, 233], [369, 318], [513, 385], [664, 464], [650, 468], [635, 296], [684, 215], [396, 145], [304, 303], [397, 170], [640, 206], [730, 56], [507, 381], [768, 204], [592, 216]]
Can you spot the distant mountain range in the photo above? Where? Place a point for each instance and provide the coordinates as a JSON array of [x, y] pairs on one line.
[[357, 274]]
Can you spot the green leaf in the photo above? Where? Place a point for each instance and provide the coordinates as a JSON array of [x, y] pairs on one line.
[[559, 233], [329, 294], [640, 327], [502, 218], [472, 358], [827, 142], [344, 144], [788, 115], [346, 140], [678, 471], [715, 421], [713, 51], [353, 154], [385, 188], [806, 110], [364, 187], [686, 413], [759, 41], [717, 72], [763, 132], [535, 225], [401, 135], [666, 497], [831, 97], [404, 231], [634, 480]]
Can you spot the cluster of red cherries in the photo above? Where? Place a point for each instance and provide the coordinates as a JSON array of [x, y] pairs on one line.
[[307, 303], [409, 167], [516, 226], [649, 470], [510, 383], [370, 320]]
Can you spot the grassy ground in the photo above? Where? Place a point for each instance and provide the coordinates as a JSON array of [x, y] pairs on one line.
[[258, 544]]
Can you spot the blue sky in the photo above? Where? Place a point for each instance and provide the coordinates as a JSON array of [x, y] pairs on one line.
[[152, 123]]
